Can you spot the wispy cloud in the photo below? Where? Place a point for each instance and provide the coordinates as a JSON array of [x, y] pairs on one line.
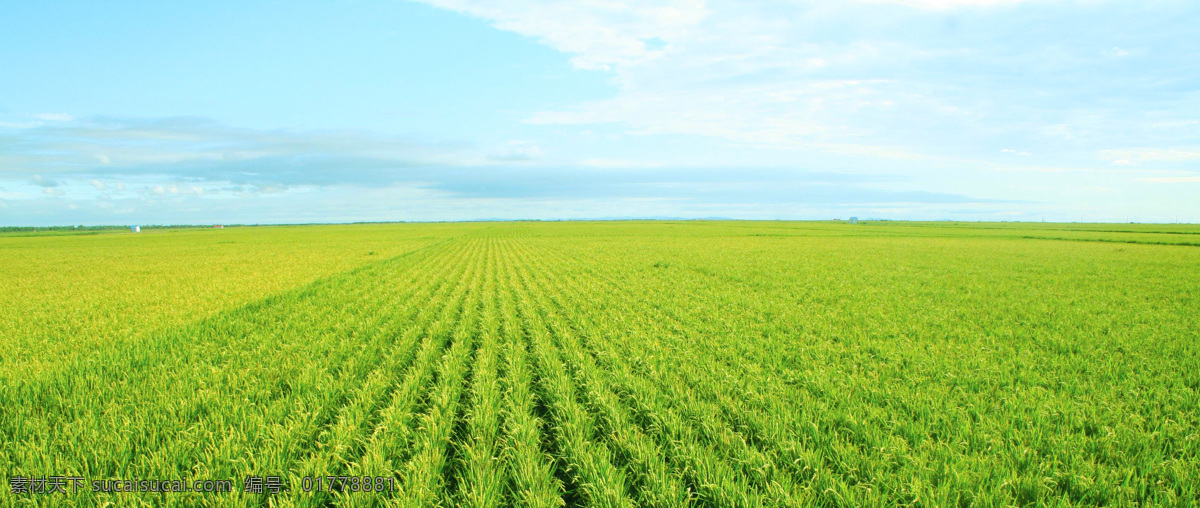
[[1132, 155], [617, 163], [517, 151], [42, 181], [197, 148], [172, 166], [1172, 179], [176, 158], [54, 117], [949, 4], [930, 78], [601, 34]]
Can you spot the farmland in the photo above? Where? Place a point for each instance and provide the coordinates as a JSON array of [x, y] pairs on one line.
[[610, 363]]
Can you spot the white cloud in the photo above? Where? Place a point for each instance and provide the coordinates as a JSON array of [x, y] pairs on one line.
[[516, 151], [201, 149], [54, 117], [98, 184], [750, 73], [785, 113], [1175, 124], [948, 4], [1171, 179], [811, 75], [881, 152], [1116, 52], [617, 163], [600, 33], [19, 125], [1151, 155], [42, 181]]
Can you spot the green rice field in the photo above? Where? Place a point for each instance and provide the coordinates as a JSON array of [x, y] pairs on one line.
[[612, 364]]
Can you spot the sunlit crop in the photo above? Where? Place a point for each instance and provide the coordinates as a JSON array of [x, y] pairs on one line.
[[608, 364]]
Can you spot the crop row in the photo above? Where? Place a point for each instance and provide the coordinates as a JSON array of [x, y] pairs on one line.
[[503, 369]]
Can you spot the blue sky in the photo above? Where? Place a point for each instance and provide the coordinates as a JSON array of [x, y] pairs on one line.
[[275, 112]]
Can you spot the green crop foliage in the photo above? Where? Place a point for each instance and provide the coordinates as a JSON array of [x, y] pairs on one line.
[[607, 364]]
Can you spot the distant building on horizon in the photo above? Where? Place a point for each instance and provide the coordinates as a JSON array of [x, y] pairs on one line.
[[854, 220], [218, 226], [135, 229]]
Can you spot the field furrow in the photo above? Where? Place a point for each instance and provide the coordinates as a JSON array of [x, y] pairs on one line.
[[422, 479], [482, 476], [587, 461], [652, 481], [390, 445], [531, 471], [723, 471], [712, 397], [338, 449]]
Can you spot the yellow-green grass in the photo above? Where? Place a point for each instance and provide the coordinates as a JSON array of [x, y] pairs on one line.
[[67, 292], [611, 363]]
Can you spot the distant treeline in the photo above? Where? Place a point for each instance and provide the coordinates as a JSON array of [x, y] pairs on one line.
[[29, 229], [67, 229]]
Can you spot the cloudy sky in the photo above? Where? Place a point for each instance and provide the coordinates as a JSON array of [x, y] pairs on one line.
[[277, 112]]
